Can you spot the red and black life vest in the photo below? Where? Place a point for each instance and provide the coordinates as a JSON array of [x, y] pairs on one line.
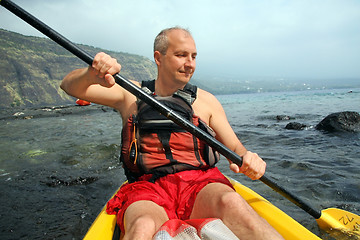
[[153, 144]]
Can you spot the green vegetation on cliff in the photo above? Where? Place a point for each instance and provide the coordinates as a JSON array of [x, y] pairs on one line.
[[31, 69]]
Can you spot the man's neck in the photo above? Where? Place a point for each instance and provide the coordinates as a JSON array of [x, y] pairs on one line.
[[164, 90]]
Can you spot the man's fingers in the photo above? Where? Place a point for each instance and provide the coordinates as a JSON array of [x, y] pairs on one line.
[[253, 166], [104, 64], [109, 79]]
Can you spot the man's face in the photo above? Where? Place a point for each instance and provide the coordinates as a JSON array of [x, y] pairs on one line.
[[179, 62]]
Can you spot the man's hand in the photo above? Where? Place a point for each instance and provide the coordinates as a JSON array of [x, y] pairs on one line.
[[253, 166], [104, 67]]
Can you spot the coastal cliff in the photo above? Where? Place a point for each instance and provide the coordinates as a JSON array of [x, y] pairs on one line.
[[31, 69]]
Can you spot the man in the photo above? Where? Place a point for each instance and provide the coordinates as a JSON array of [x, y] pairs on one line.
[[139, 214]]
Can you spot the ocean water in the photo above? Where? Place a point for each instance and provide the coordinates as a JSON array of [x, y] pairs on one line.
[[56, 173]]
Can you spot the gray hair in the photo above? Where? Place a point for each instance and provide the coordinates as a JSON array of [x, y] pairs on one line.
[[161, 42]]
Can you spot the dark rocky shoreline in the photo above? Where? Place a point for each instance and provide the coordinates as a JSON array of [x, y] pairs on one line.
[[341, 121], [54, 111]]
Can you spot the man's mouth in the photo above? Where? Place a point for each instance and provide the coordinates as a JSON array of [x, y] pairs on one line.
[[186, 72]]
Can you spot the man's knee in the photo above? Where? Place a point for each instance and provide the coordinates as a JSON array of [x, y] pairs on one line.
[[142, 227], [232, 201], [146, 221], [142, 219]]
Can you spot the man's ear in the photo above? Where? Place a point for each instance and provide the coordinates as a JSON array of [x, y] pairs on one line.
[[157, 57]]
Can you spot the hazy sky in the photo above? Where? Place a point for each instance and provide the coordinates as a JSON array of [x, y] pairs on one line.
[[300, 38]]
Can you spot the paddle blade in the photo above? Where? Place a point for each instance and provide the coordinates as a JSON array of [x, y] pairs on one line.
[[346, 222]]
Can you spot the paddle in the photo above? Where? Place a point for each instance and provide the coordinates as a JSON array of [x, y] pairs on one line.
[[327, 219]]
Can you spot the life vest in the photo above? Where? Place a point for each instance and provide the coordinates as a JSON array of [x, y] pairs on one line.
[[153, 144]]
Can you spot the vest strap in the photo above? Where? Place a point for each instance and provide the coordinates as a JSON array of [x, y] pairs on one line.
[[188, 93], [164, 137]]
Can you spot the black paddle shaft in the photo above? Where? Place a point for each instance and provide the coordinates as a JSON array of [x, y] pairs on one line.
[[164, 110]]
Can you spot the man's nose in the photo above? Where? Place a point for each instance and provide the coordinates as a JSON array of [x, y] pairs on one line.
[[190, 61]]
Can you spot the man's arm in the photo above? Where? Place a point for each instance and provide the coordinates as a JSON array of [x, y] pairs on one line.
[[96, 83], [253, 166]]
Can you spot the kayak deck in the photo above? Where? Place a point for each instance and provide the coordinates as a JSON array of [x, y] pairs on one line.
[[104, 225]]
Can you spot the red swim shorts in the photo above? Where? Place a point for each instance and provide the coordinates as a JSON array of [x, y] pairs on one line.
[[176, 193]]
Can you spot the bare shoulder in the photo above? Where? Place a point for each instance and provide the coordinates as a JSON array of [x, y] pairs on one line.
[[206, 105], [207, 99]]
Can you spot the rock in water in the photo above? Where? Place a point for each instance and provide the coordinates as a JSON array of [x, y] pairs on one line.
[[295, 126], [341, 121], [282, 117]]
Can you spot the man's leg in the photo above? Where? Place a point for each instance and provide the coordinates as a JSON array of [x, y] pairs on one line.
[[142, 219], [220, 201]]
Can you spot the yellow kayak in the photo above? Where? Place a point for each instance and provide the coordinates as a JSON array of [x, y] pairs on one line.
[[104, 225]]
